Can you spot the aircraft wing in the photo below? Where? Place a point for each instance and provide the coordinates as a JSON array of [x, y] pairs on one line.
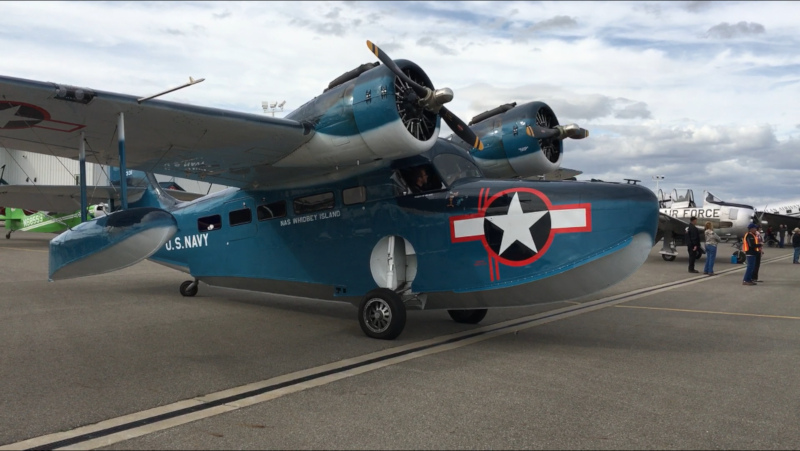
[[200, 143], [562, 174], [775, 220], [667, 223], [60, 199]]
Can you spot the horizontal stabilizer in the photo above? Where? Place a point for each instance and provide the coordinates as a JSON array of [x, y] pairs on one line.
[[111, 242]]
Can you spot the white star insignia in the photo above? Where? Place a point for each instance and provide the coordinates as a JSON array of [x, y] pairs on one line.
[[516, 225], [9, 115]]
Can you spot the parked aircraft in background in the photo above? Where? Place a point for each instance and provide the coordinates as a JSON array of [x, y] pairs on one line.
[[44, 222], [786, 213], [730, 220], [351, 197]]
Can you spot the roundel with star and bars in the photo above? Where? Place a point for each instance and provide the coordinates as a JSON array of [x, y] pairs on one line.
[[517, 225]]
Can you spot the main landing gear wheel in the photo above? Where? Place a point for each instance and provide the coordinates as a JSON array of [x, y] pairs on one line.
[[382, 314], [189, 288], [8, 235], [668, 258], [468, 316]]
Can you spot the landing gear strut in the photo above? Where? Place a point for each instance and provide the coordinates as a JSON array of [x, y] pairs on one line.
[[189, 288], [382, 314]]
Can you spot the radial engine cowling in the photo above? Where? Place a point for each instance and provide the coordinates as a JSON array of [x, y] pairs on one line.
[[373, 116], [510, 152]]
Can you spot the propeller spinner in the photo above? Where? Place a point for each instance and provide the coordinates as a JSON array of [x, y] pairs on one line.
[[432, 100]]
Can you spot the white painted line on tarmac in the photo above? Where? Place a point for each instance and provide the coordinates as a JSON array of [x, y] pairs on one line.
[[134, 425]]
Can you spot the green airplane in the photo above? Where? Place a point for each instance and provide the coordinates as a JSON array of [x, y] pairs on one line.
[[44, 222]]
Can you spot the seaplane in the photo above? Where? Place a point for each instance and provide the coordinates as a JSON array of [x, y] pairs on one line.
[[351, 197]]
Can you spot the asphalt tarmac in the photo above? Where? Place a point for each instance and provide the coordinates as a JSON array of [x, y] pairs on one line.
[[663, 360]]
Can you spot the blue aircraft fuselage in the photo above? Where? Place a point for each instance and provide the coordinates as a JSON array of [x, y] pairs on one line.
[[450, 243]]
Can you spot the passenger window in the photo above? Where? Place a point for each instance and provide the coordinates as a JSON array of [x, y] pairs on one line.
[[356, 195], [239, 217], [271, 211], [316, 202], [209, 223]]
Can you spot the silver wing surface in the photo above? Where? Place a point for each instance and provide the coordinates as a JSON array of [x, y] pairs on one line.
[[667, 223], [60, 198], [199, 143]]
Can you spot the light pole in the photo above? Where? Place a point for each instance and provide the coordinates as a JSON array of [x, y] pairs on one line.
[[271, 107], [658, 178]]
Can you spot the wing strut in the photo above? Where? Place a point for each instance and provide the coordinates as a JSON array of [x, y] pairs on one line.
[[82, 160], [123, 171]]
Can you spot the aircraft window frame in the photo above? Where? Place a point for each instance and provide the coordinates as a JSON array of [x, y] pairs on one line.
[[327, 201], [210, 223], [454, 167], [244, 219], [354, 195], [434, 182], [275, 209]]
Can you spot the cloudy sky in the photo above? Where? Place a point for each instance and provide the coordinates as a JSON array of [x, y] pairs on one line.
[[702, 93]]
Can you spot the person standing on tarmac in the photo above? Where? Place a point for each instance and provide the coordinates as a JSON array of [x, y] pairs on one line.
[[712, 240], [796, 245], [751, 248], [757, 264], [693, 243]]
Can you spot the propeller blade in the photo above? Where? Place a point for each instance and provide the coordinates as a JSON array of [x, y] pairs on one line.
[[387, 61], [433, 100], [460, 128]]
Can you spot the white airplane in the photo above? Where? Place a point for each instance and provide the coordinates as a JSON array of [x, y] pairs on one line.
[[791, 208], [730, 220], [786, 213]]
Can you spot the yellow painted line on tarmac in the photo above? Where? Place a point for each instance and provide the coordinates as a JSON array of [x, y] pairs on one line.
[[707, 311]]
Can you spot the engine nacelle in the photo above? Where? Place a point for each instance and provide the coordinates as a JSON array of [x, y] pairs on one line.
[[371, 116], [509, 152]]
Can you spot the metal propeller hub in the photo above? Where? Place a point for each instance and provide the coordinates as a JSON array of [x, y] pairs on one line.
[[418, 120], [431, 100], [550, 146]]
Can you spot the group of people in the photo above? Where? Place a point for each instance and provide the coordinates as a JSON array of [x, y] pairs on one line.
[[696, 251], [752, 246]]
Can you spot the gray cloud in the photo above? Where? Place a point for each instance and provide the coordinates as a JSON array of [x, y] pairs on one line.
[[650, 8], [728, 31], [555, 23], [333, 14], [428, 41], [697, 7], [222, 15], [633, 111], [329, 28]]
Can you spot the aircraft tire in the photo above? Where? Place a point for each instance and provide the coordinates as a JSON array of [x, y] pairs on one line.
[[668, 258], [8, 235], [186, 291], [382, 314], [473, 316]]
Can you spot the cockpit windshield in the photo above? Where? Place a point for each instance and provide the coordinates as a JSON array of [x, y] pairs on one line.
[[453, 167]]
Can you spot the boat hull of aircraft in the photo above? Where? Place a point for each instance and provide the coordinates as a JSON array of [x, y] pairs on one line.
[[440, 249]]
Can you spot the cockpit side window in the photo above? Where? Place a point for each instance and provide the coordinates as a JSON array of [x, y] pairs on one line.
[[454, 167], [422, 179]]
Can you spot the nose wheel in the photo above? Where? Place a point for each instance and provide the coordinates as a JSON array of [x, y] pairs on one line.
[[189, 288], [382, 314]]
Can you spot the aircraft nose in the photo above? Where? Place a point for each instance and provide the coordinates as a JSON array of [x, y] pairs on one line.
[[621, 210]]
